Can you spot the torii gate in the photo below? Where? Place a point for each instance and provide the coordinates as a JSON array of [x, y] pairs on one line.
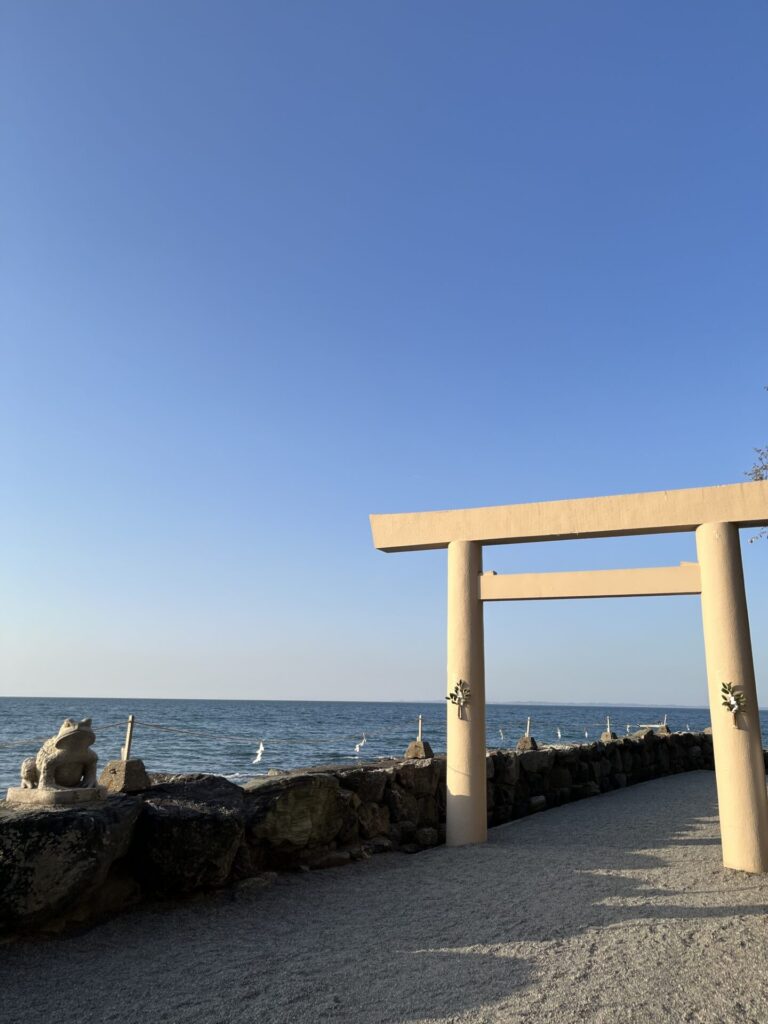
[[715, 514]]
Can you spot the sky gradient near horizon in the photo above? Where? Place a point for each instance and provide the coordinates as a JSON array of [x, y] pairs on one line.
[[268, 268]]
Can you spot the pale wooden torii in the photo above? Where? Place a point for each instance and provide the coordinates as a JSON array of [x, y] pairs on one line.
[[715, 514]]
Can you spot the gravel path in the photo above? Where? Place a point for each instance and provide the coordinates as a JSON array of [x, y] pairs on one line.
[[614, 909]]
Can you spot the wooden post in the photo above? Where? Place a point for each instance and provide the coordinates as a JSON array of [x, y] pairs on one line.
[[125, 752]]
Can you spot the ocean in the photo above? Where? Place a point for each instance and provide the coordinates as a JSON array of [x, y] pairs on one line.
[[224, 736]]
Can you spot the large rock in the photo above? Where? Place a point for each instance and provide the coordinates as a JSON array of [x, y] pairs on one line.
[[560, 778], [52, 860], [188, 834], [402, 803], [419, 776], [507, 769], [374, 820], [294, 812], [535, 761], [429, 814], [567, 756], [368, 782], [646, 734], [349, 833], [196, 788], [427, 837]]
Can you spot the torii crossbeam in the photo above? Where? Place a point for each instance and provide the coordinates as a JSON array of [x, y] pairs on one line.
[[715, 514]]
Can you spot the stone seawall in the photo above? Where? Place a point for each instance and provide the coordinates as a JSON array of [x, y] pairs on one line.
[[192, 833]]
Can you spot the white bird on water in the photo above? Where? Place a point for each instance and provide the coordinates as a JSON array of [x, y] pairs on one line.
[[628, 728], [360, 744], [259, 753], [586, 734], [559, 734], [501, 733]]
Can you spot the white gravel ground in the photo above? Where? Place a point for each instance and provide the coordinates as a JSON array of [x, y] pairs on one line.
[[614, 909]]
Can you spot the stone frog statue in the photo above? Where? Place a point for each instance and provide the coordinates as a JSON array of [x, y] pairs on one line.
[[64, 761]]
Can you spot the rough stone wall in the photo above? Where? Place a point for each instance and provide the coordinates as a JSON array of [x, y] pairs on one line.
[[193, 833]]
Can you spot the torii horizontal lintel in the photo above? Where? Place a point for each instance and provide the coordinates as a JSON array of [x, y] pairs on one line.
[[614, 516], [550, 586]]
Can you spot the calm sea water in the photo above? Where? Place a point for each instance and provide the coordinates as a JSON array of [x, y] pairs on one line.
[[224, 736]]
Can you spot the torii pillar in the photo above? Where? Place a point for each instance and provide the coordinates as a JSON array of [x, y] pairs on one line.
[[737, 740], [466, 816]]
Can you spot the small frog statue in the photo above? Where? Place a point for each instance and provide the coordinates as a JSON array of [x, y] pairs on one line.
[[65, 761]]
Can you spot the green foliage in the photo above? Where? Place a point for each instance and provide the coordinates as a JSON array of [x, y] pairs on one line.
[[760, 469]]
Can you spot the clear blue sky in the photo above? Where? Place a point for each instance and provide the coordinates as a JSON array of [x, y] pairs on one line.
[[270, 267]]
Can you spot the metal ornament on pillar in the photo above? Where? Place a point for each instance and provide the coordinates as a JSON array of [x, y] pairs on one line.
[[460, 696], [733, 701]]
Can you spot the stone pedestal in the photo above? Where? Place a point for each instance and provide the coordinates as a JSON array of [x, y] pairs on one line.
[[526, 743], [125, 776], [418, 749], [55, 797]]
